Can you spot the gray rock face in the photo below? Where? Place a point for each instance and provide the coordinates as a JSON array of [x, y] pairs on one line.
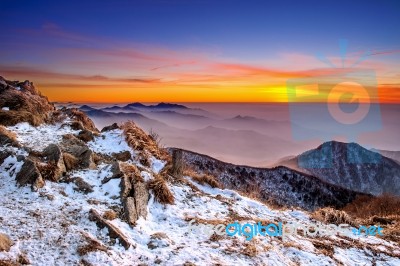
[[134, 196], [30, 174], [83, 154], [130, 210], [141, 195]]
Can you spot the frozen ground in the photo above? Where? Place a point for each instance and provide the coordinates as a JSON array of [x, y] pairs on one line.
[[50, 225]]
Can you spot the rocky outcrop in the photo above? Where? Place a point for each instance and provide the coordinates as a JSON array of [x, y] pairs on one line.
[[54, 156], [78, 149], [22, 102], [111, 127], [134, 193], [30, 174]]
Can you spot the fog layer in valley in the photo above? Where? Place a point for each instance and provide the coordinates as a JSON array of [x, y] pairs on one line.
[[250, 134]]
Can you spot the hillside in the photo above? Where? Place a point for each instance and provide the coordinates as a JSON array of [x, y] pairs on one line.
[[351, 166], [74, 195]]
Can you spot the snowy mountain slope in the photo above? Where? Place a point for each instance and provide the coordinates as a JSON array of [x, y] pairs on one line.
[[51, 225], [71, 195], [279, 185], [352, 166]]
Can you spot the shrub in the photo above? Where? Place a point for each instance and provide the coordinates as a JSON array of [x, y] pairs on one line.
[[331, 216]]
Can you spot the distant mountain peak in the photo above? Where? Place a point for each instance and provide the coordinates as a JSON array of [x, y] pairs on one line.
[[169, 105]]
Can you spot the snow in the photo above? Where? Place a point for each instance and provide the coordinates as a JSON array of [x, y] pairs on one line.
[[48, 225], [38, 138], [110, 142], [5, 109]]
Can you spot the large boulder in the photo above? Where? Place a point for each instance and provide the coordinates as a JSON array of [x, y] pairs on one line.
[[79, 150], [30, 174]]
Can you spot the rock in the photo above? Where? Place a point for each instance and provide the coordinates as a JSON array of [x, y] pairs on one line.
[[113, 231], [111, 127], [141, 195], [5, 242], [30, 174], [82, 185], [7, 137], [4, 155], [83, 154], [159, 240], [86, 135], [130, 210], [54, 156], [122, 156], [126, 186], [23, 259], [76, 125]]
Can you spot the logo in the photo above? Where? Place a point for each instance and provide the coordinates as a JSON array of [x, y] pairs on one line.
[[340, 102]]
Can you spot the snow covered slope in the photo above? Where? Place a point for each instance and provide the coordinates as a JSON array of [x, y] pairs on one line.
[[52, 226]]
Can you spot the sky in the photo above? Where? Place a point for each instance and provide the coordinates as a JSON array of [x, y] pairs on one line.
[[203, 51]]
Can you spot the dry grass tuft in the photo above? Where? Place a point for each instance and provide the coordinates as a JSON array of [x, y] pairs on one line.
[[249, 249], [7, 133], [140, 141], [332, 216], [202, 179], [383, 210], [207, 179], [161, 191], [48, 171], [80, 116], [110, 215], [70, 161], [132, 172], [367, 206]]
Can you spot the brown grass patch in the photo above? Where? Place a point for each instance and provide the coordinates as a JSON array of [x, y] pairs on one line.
[[70, 161], [8, 134], [132, 172], [207, 179], [161, 191], [367, 206], [110, 215], [80, 116], [249, 248], [332, 216], [383, 210], [140, 141], [48, 171]]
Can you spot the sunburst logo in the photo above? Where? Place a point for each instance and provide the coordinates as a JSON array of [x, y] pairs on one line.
[[341, 103]]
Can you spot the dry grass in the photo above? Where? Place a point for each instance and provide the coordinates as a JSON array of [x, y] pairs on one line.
[[140, 141], [332, 216], [25, 107], [9, 134], [48, 171], [80, 116], [202, 179], [70, 161], [250, 248], [161, 191], [110, 215], [367, 206], [383, 210], [132, 172]]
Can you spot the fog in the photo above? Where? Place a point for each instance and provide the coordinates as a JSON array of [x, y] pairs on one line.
[[254, 134]]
